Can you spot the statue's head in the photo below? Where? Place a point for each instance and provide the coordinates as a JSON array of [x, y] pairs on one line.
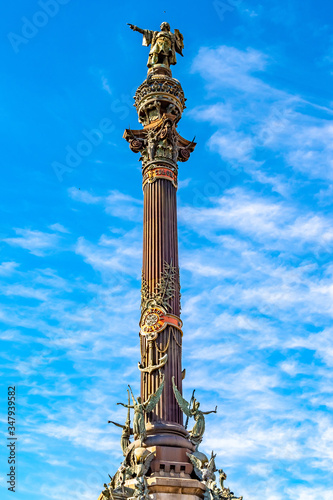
[[165, 27], [139, 400], [222, 474]]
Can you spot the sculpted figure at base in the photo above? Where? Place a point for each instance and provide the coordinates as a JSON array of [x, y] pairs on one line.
[[204, 470], [222, 493], [106, 492], [198, 430], [225, 493], [164, 45], [117, 483], [141, 490], [139, 426]]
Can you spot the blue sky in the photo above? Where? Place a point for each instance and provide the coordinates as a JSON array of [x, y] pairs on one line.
[[255, 236]]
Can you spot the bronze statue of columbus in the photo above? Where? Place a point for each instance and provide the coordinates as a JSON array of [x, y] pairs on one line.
[[164, 45]]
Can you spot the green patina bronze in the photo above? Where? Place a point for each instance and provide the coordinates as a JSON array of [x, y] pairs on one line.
[[198, 430], [139, 426], [164, 45]]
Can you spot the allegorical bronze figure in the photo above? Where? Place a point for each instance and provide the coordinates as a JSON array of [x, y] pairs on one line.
[[198, 430], [139, 426], [164, 45]]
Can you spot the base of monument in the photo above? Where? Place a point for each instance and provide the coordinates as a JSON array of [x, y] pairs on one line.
[[170, 472], [173, 488], [159, 469], [171, 438]]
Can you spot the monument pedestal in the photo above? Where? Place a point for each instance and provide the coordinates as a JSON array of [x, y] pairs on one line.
[[175, 488], [172, 487]]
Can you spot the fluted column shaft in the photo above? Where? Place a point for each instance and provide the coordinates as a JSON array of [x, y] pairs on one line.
[[160, 244]]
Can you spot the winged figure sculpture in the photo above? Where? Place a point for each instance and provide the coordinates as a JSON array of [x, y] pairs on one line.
[[140, 408], [199, 427], [204, 470]]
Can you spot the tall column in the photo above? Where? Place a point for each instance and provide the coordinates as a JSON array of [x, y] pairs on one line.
[[163, 461], [160, 102], [160, 260]]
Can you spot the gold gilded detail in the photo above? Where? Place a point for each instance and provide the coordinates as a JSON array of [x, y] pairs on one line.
[[160, 173]]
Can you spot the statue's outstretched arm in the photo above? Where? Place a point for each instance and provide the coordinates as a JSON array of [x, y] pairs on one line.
[[126, 406], [208, 412], [135, 28], [115, 423]]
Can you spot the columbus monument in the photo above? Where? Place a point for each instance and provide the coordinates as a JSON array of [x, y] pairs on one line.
[[163, 459]]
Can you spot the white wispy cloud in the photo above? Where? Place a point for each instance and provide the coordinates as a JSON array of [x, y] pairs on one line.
[[106, 84], [7, 268], [58, 227], [232, 146], [115, 203], [37, 242], [269, 220], [84, 196], [256, 116], [117, 256], [232, 67]]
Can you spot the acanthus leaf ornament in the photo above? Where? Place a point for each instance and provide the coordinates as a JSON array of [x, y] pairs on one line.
[[136, 145], [145, 294], [164, 291], [159, 143], [184, 154], [166, 288]]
